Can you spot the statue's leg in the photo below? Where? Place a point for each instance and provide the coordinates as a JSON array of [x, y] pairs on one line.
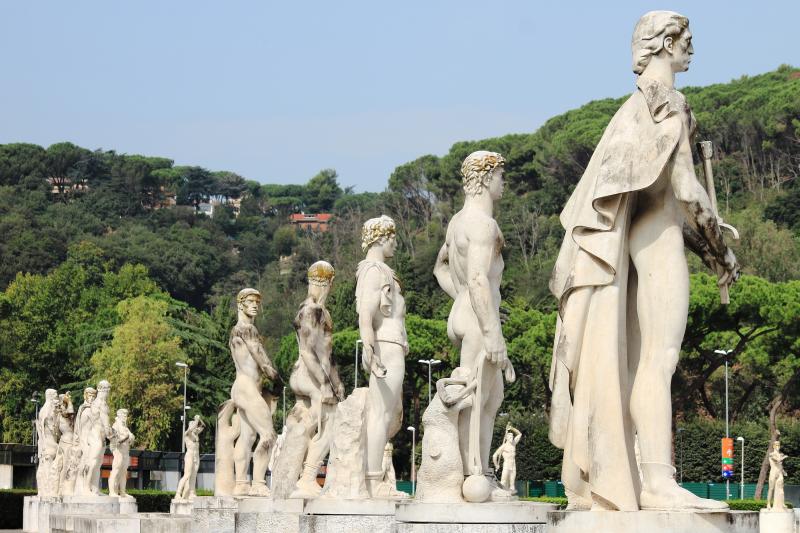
[[260, 417], [662, 304], [242, 451], [492, 399], [471, 348]]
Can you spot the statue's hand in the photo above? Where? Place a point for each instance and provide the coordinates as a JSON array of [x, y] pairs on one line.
[[495, 347], [366, 357], [510, 374], [340, 392], [729, 270]]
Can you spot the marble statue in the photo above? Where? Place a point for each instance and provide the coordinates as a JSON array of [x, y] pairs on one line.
[[345, 478], [47, 435], [84, 422], [255, 414], [387, 466], [381, 323], [775, 495], [191, 460], [228, 430], [121, 441], [66, 464], [317, 389], [622, 286], [96, 430], [469, 268], [507, 451], [441, 472]]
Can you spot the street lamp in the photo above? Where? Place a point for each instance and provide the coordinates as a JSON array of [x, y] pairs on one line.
[[413, 431], [355, 367], [430, 363], [680, 439], [35, 400], [741, 485], [185, 368], [724, 353]]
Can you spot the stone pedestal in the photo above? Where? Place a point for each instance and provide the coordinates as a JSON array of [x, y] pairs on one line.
[[500, 517], [214, 514], [264, 514], [348, 516], [111, 523], [36, 509], [776, 521], [181, 507], [65, 512], [641, 521]]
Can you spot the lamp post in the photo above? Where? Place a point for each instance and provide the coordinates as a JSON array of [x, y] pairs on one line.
[[724, 353], [741, 485], [355, 367], [680, 446], [35, 401], [284, 405], [430, 363], [413, 431], [185, 368]]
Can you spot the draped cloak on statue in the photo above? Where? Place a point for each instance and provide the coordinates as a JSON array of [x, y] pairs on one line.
[[590, 414]]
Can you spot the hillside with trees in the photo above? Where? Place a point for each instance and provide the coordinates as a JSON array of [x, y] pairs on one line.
[[111, 269]]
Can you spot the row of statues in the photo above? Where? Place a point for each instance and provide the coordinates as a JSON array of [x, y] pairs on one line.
[[71, 445]]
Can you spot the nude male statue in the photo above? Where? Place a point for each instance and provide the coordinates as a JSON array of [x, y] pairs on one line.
[[65, 466], [84, 421], [775, 493], [381, 323], [191, 461], [315, 378], [469, 269], [121, 441], [97, 429], [255, 413], [47, 430], [508, 452]]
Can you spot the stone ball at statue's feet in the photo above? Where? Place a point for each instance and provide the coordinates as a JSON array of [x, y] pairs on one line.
[[476, 488]]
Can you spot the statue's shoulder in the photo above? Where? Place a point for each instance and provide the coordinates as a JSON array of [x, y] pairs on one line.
[[376, 271]]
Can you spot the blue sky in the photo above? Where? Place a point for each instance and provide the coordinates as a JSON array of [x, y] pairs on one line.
[[277, 91]]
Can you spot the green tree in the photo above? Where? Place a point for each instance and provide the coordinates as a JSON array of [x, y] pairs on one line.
[[322, 191]]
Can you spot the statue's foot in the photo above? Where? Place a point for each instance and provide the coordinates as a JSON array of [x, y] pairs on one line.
[[242, 488], [306, 489], [669, 496], [259, 489], [499, 493], [381, 490]]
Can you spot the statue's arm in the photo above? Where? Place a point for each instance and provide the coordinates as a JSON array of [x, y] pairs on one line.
[[480, 252], [369, 303], [697, 207], [496, 457], [256, 351], [442, 273]]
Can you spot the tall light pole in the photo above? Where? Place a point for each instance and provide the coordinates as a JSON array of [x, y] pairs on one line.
[[355, 367], [724, 353], [185, 368], [413, 431], [35, 401], [680, 439], [284, 405], [430, 363], [741, 485]]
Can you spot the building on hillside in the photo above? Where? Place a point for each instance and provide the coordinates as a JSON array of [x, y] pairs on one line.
[[318, 222]]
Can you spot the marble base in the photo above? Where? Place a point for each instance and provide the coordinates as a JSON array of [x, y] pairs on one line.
[[181, 507], [37, 509], [110, 523], [641, 521], [323, 515], [500, 517], [38, 512], [776, 521], [264, 514], [214, 514]]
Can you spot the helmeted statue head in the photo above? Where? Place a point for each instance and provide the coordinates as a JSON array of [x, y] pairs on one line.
[[321, 274], [248, 301], [650, 33], [478, 169], [103, 387], [377, 231]]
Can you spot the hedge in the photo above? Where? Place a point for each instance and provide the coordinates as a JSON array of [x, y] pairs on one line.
[[11, 507]]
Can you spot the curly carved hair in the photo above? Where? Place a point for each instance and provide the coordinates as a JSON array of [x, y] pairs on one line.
[[376, 230], [477, 170], [650, 32]]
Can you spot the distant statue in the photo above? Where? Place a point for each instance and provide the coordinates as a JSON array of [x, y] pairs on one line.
[[381, 324], [228, 430], [622, 285], [67, 456], [508, 453], [48, 436], [469, 268], [317, 389], [389, 476], [84, 423], [121, 441], [98, 429], [255, 414], [191, 460], [775, 496]]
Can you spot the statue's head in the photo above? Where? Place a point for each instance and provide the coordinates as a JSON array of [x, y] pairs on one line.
[[509, 436], [482, 172], [662, 36], [320, 279], [122, 415], [248, 302], [379, 232], [89, 394], [776, 445], [51, 396], [103, 388], [65, 402]]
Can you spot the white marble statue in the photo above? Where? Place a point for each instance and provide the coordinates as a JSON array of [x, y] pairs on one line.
[[622, 286], [228, 430], [441, 472], [507, 451], [469, 269], [84, 422], [47, 434], [317, 389], [121, 441], [67, 456], [775, 495], [191, 460], [387, 466], [95, 428], [255, 414], [381, 323]]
